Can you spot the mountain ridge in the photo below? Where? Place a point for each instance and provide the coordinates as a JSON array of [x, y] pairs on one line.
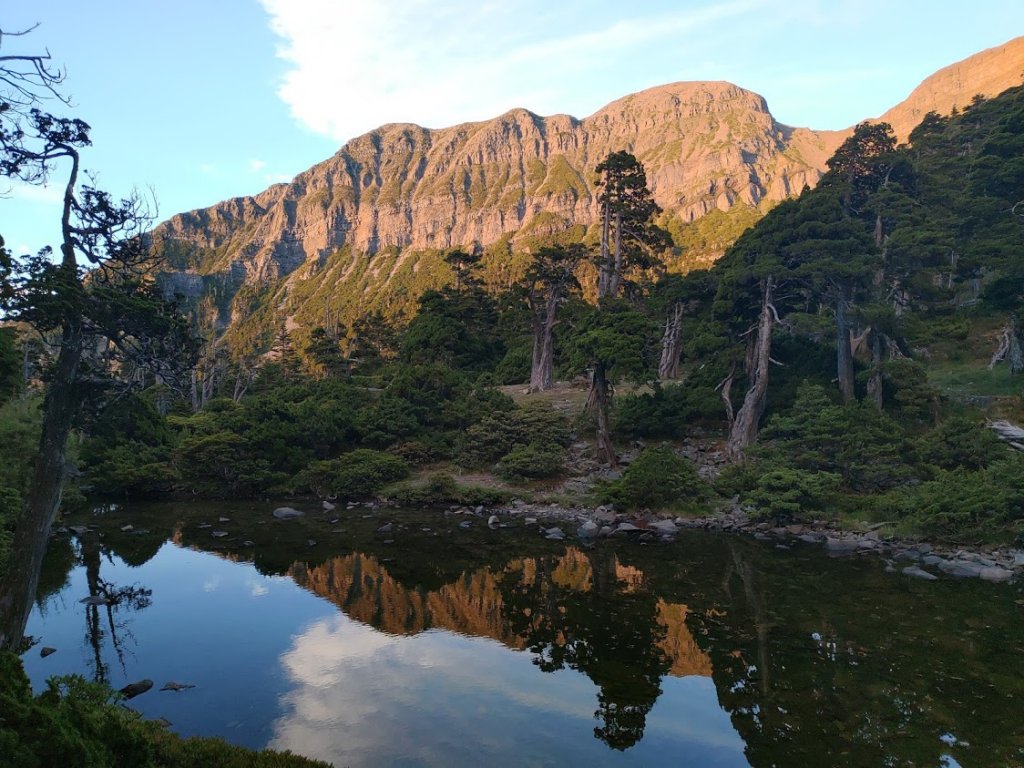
[[709, 147]]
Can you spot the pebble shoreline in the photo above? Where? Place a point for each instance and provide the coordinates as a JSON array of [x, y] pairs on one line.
[[915, 559]]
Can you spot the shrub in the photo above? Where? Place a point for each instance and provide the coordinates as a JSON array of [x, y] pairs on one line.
[[442, 488], [657, 479], [532, 461], [497, 434], [663, 413], [961, 442], [960, 504], [793, 493], [355, 475]]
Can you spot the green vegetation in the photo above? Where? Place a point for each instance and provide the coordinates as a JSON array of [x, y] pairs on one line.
[[657, 479]]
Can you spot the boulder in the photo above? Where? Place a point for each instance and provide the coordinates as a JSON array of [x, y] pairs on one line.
[[664, 526], [995, 573], [493, 521], [588, 530], [327, 506], [287, 513], [919, 573], [173, 686], [44, 652], [132, 690]]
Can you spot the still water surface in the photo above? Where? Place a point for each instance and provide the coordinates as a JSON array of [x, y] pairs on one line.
[[434, 645]]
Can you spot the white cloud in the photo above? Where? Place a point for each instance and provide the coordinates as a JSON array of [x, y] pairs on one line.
[[48, 194], [356, 65], [256, 165]]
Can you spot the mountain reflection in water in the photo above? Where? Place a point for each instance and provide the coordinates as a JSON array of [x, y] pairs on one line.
[[456, 648]]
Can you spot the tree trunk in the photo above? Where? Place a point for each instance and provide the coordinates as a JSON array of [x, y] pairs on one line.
[[875, 382], [744, 428], [542, 371], [604, 278], [32, 532], [616, 275], [599, 399], [1014, 354], [844, 352], [671, 344]]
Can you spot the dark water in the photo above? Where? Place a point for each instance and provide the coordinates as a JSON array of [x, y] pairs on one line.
[[453, 647]]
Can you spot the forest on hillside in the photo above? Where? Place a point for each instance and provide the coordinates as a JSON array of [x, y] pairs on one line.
[[830, 349]]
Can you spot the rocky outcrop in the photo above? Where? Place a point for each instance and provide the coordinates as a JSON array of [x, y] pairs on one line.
[[356, 226], [987, 74], [705, 146]]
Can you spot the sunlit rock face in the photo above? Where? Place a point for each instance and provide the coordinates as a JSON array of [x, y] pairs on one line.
[[360, 230]]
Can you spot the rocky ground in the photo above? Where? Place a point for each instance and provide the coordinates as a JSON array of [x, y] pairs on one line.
[[916, 559]]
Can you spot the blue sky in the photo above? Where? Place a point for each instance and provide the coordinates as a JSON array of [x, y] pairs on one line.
[[201, 101]]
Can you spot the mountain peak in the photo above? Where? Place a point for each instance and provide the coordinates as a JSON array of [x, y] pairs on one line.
[[987, 73]]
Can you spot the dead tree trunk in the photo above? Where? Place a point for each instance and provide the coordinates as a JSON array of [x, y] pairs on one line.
[[543, 366], [745, 427], [875, 382], [844, 351], [671, 344], [1009, 349], [598, 399]]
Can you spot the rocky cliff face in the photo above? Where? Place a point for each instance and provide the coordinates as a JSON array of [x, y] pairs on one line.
[[988, 74], [705, 146], [358, 224]]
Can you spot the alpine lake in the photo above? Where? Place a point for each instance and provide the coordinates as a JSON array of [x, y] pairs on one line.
[[435, 644]]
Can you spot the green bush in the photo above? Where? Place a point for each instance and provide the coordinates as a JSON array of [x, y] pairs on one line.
[[442, 488], [532, 461], [356, 475], [963, 505], [497, 434], [656, 479], [664, 413], [961, 442], [793, 493]]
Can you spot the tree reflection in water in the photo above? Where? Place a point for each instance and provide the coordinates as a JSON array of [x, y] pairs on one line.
[[600, 626]]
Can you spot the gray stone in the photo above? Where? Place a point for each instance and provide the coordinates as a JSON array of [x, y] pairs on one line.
[[79, 530], [465, 524], [961, 568], [44, 652], [810, 538], [588, 530], [287, 513], [931, 559], [994, 573], [664, 526], [493, 521], [604, 515], [219, 534], [919, 573], [554, 533], [132, 690], [327, 506], [127, 528], [624, 528], [530, 521], [606, 530], [1018, 559], [386, 528], [173, 686], [95, 600], [223, 519]]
